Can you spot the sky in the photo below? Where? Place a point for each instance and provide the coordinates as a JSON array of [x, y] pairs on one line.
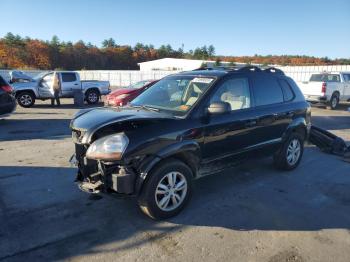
[[292, 27]]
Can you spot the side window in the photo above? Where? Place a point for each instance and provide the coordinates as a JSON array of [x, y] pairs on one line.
[[346, 77], [234, 91], [267, 91], [48, 78], [69, 77], [287, 90]]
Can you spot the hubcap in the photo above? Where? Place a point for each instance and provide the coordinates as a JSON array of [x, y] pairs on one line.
[[25, 100], [293, 152], [93, 97], [334, 101], [171, 191]]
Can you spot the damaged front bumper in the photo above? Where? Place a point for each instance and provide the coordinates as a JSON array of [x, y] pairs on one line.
[[97, 177]]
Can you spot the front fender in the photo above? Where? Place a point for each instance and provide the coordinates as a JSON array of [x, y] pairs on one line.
[[187, 151], [30, 86]]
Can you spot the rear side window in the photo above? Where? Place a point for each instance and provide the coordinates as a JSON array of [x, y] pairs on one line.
[[325, 78], [346, 77], [69, 77], [267, 91], [288, 94]]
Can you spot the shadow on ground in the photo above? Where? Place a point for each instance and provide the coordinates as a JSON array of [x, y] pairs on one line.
[[26, 129]]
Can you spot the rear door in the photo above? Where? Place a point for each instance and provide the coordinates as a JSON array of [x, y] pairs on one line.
[[272, 114], [346, 78], [69, 82]]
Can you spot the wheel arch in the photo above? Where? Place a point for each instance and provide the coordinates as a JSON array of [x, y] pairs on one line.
[[297, 126], [18, 92], [93, 89]]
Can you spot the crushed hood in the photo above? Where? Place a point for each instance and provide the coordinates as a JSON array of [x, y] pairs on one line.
[[88, 121]]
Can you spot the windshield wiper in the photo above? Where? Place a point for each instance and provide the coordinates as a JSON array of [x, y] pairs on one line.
[[146, 107]]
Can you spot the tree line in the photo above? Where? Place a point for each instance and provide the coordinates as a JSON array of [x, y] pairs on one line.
[[27, 53]]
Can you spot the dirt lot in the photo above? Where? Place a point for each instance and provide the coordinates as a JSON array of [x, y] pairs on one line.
[[248, 213]]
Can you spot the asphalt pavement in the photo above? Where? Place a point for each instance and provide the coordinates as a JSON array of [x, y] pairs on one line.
[[252, 212]]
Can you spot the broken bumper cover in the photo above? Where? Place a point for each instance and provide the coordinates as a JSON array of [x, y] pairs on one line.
[[110, 179]]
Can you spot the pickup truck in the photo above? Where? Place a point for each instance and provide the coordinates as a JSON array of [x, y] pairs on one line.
[[327, 88], [28, 89]]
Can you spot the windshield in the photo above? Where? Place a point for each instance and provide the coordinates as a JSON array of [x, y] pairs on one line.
[[176, 94], [325, 78], [139, 84]]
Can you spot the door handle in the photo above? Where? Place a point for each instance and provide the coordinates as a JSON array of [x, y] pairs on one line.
[[251, 123], [290, 114], [76, 84]]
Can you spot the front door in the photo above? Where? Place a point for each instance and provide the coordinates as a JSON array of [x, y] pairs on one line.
[[69, 83], [229, 133], [45, 86]]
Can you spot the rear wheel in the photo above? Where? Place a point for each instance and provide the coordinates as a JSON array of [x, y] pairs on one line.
[[167, 190], [25, 99], [333, 103], [291, 152], [92, 96]]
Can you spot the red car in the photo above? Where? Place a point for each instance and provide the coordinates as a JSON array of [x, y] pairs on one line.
[[122, 96]]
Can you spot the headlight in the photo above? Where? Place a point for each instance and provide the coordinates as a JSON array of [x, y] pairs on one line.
[[122, 96], [108, 148]]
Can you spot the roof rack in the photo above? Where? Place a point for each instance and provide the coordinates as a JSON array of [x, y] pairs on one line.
[[273, 70], [249, 68]]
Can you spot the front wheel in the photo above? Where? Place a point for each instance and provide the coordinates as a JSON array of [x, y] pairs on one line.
[[92, 97], [289, 155], [167, 190], [25, 99]]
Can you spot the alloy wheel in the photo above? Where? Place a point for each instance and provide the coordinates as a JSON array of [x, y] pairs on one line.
[[293, 151], [171, 191], [26, 100]]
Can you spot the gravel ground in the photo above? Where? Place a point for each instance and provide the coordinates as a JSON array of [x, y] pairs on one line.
[[249, 213]]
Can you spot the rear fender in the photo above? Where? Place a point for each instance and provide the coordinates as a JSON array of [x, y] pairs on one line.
[[298, 125]]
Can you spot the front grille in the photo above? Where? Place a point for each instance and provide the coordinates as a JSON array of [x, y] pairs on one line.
[[86, 166]]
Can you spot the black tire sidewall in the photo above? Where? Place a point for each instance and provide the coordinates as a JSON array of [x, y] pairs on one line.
[[87, 97], [147, 196], [281, 156], [25, 93], [334, 96]]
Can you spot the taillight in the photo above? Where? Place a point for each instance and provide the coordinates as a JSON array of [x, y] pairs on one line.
[[7, 88], [324, 88]]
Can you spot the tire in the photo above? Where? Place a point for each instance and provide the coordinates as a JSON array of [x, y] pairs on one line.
[[334, 102], [26, 99], [92, 97], [160, 200], [289, 155]]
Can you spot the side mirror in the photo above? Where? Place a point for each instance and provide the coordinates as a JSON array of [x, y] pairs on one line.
[[219, 108]]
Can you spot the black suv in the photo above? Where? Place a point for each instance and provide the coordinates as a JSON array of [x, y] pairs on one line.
[[186, 126]]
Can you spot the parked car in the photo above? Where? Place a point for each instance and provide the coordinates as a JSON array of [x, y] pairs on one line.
[[327, 88], [154, 147], [40, 87], [7, 100], [122, 96]]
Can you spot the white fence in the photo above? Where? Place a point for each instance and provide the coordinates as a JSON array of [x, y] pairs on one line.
[[125, 77]]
